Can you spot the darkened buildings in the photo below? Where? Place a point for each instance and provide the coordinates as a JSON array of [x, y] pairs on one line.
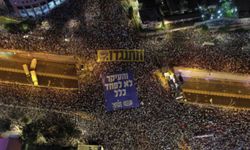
[[243, 7], [149, 10], [171, 10]]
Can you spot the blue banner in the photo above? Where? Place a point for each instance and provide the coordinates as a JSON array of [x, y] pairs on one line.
[[120, 92]]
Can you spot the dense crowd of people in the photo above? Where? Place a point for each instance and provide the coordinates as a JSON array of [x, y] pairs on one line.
[[160, 123]]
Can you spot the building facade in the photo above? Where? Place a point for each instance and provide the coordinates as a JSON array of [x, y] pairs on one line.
[[34, 8], [2, 4]]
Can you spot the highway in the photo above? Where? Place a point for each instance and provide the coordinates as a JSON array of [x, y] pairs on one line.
[[216, 88], [52, 70], [217, 100]]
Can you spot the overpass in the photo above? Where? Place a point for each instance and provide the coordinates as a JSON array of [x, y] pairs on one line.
[[54, 71], [216, 88]]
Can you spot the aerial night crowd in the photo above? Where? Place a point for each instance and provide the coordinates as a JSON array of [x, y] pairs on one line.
[[160, 123]]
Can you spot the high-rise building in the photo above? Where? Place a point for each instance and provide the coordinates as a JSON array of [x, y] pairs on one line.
[[2, 4], [33, 8]]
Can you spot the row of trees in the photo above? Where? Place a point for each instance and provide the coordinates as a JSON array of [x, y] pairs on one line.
[[49, 130], [224, 9]]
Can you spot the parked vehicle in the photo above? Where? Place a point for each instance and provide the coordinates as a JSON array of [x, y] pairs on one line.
[[26, 70], [33, 64], [34, 77], [89, 147]]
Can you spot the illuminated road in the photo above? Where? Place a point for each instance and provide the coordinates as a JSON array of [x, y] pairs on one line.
[[217, 88], [52, 70], [218, 100]]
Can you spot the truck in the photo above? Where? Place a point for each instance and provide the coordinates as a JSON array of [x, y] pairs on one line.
[[33, 64], [175, 82], [26, 70]]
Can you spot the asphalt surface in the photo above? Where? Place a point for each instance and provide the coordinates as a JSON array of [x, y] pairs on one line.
[[223, 86], [49, 73], [218, 100]]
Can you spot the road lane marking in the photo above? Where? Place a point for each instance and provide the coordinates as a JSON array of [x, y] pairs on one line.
[[40, 86], [216, 93], [11, 70], [40, 73], [57, 76], [214, 81], [235, 107]]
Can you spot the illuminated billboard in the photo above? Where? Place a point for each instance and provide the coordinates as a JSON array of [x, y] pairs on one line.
[[120, 91]]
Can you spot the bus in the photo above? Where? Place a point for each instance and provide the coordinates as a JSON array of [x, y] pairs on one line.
[[33, 64], [34, 77], [26, 70]]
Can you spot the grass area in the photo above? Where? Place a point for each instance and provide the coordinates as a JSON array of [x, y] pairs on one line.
[[5, 20], [16, 26]]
